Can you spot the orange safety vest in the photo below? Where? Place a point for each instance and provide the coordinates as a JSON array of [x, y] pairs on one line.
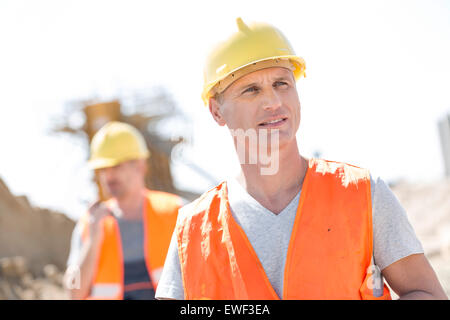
[[159, 219], [329, 254]]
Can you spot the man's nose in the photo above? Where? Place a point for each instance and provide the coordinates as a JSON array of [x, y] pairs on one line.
[[271, 101]]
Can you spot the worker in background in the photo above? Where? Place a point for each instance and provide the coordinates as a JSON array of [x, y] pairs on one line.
[[302, 228], [118, 247]]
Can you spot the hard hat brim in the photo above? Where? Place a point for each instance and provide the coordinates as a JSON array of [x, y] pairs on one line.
[[101, 163], [297, 61]]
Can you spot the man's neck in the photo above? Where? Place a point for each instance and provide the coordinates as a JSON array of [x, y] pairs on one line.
[[275, 191], [131, 205]]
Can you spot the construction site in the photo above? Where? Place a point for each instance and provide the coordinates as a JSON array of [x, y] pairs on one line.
[[93, 177]]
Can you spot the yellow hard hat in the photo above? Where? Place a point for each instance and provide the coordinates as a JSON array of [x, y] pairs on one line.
[[114, 143], [258, 46]]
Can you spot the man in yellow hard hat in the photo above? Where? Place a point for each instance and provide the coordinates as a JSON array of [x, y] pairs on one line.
[[289, 227], [119, 246]]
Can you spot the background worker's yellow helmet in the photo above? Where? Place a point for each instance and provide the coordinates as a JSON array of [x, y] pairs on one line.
[[114, 143], [253, 47]]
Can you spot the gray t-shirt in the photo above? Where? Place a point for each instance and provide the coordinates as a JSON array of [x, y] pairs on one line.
[[393, 235]]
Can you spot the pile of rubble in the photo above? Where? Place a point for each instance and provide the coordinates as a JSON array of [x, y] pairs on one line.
[[17, 282]]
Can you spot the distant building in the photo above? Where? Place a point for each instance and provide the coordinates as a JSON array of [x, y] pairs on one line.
[[444, 132]]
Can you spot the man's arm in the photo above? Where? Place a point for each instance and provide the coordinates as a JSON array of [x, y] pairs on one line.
[[85, 263], [88, 258], [413, 278], [397, 250]]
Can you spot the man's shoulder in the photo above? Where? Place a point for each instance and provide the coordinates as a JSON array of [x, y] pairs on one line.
[[199, 205], [332, 164], [162, 201], [343, 170], [161, 194]]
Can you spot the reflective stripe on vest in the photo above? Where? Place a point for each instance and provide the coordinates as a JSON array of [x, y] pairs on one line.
[[105, 291], [329, 253], [156, 274], [159, 218]]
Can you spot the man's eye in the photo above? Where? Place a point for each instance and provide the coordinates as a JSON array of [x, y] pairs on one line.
[[280, 83], [250, 90]]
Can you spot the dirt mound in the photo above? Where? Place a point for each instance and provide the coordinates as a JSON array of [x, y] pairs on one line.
[[34, 246], [39, 235]]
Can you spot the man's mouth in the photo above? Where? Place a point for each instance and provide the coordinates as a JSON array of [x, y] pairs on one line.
[[273, 122]]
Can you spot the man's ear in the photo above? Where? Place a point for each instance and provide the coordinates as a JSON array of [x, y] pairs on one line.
[[214, 108], [145, 166], [142, 166]]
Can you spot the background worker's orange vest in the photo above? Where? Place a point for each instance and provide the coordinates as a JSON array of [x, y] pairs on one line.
[[329, 254], [159, 219]]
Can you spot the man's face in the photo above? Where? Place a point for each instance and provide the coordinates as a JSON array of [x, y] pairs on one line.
[[264, 99], [120, 179]]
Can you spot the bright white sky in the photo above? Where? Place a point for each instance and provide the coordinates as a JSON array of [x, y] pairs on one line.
[[377, 82]]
